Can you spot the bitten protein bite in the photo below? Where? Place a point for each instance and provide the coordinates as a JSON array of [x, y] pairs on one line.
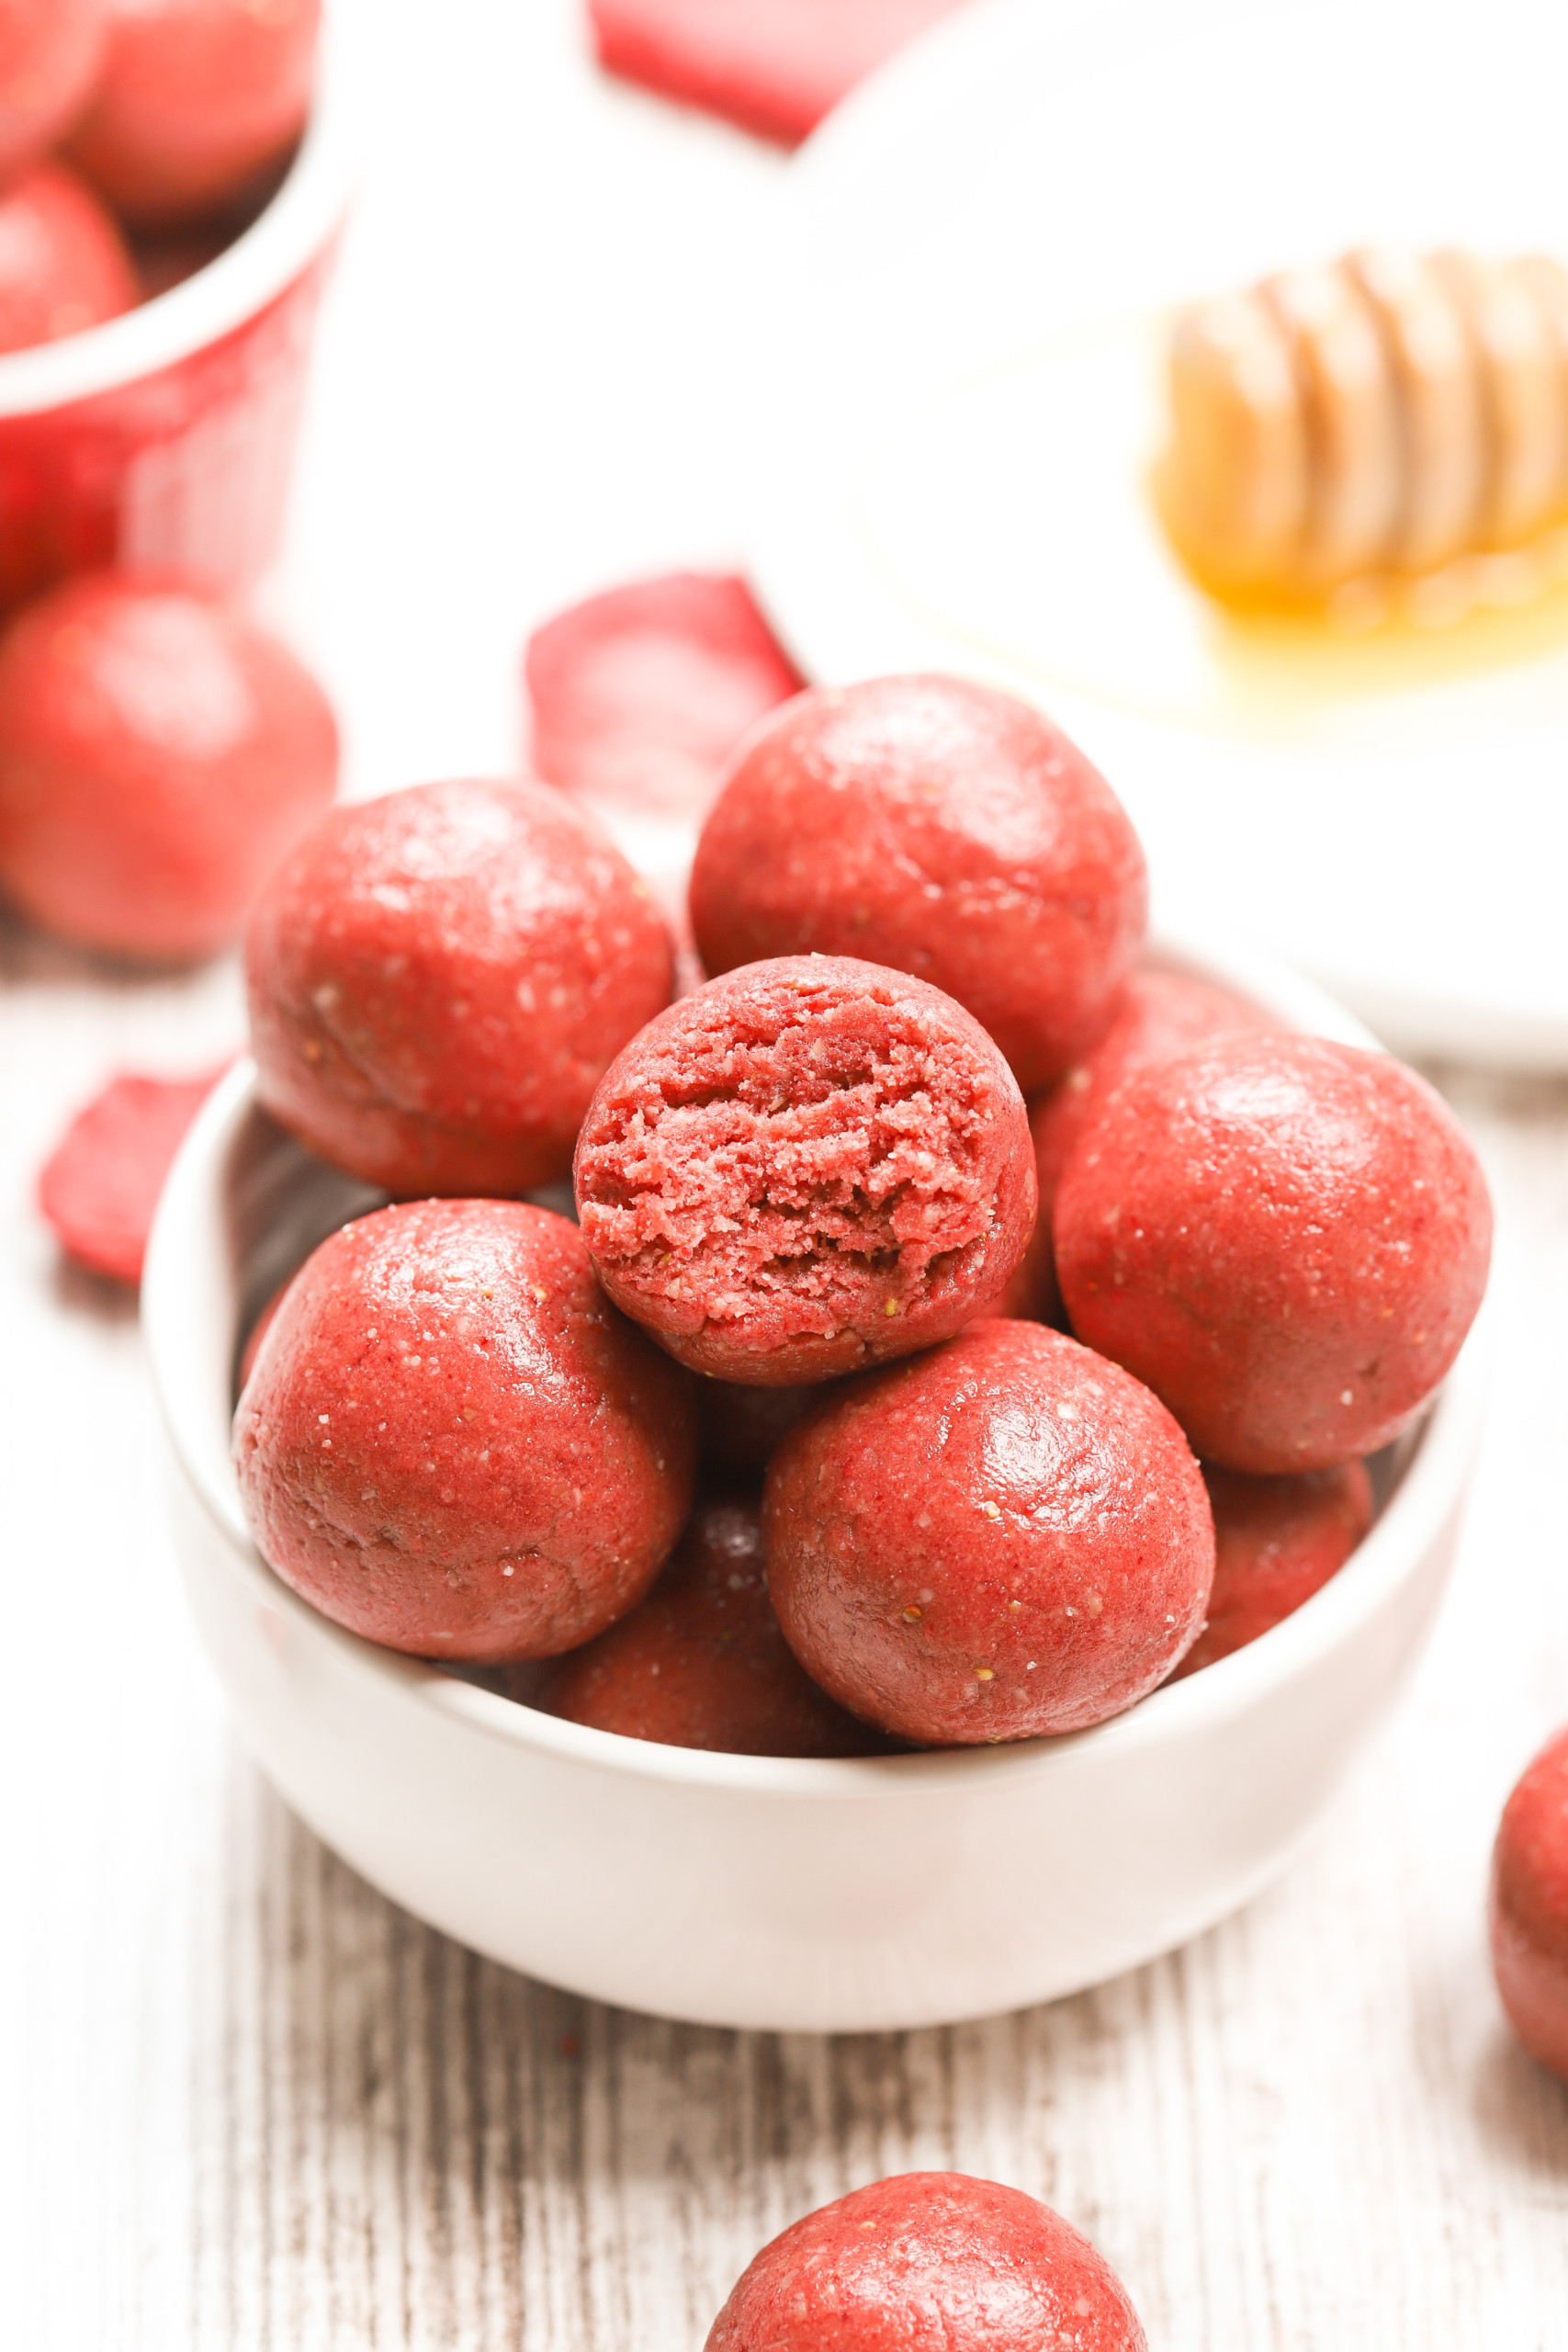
[[453, 1445], [193, 99], [1286, 1238], [805, 1167], [1160, 1016], [928, 2262], [702, 1663], [64, 264], [438, 981], [639, 695], [1528, 1911], [49, 55], [1276, 1541], [1006, 1537], [942, 828], [158, 753]]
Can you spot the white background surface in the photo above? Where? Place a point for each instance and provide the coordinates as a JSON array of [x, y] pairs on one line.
[[245, 2103]]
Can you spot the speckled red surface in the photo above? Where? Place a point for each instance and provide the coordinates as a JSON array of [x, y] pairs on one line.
[[928, 2262], [158, 756], [438, 979], [1529, 1906], [805, 1167], [1276, 1540], [1286, 1238], [701, 1662], [944, 828], [451, 1443], [1008, 1536]]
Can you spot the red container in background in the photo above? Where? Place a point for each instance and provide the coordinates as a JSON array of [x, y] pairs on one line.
[[163, 440]]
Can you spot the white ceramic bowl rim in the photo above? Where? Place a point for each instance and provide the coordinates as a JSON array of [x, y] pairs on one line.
[[176, 1301], [242, 279]]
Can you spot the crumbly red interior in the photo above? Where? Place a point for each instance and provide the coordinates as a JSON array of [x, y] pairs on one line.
[[785, 1151]]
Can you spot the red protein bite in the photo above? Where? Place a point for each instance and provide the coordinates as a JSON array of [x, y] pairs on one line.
[[702, 1663], [1286, 1238], [439, 979], [194, 97], [1528, 1908], [158, 753], [1276, 1541], [49, 56], [1006, 1537], [928, 2262], [773, 66], [805, 1167], [64, 264], [944, 828], [99, 1186], [1161, 1015], [453, 1445], [639, 695]]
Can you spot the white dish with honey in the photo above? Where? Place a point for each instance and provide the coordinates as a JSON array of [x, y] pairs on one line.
[[986, 252]]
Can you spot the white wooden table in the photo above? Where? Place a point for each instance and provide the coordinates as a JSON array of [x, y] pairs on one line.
[[246, 2103]]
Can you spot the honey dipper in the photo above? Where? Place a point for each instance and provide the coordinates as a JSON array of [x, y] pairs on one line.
[[1384, 413]]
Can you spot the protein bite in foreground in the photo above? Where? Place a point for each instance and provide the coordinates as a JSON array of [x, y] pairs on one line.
[[1528, 1911], [807, 1166], [944, 828], [1287, 1238], [453, 1445], [701, 1662], [1005, 1538], [928, 2262], [438, 979]]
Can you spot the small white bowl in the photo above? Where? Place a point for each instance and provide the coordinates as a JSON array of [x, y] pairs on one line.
[[868, 1894]]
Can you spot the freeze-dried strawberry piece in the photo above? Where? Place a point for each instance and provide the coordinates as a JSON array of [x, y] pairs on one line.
[[773, 66], [639, 695], [99, 1186]]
